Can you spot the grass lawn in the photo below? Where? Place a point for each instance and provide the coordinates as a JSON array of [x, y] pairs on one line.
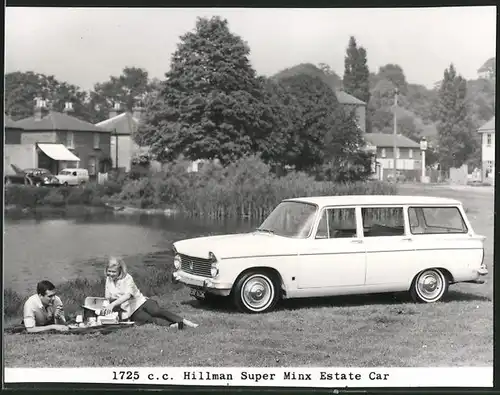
[[355, 331]]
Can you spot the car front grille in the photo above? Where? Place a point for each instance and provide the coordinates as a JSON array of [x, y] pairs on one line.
[[195, 265]]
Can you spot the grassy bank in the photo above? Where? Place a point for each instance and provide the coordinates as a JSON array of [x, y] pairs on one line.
[[151, 273], [247, 188]]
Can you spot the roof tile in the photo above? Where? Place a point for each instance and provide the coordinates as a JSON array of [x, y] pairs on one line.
[[58, 121], [387, 140], [488, 126], [122, 124]]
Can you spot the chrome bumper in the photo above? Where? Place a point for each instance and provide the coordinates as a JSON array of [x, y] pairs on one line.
[[481, 272], [202, 283]]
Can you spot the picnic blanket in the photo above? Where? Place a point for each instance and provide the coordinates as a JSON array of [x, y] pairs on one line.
[[73, 329]]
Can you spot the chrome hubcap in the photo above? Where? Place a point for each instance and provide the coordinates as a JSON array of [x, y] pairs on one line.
[[257, 293], [430, 285]]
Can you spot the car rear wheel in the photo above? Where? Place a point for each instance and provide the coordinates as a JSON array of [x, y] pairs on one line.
[[256, 292], [429, 286]]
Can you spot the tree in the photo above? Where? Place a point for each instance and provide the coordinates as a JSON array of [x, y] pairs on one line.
[[129, 90], [318, 107], [333, 80], [356, 74], [211, 103], [283, 145], [394, 73], [21, 89], [421, 101], [408, 128], [456, 143]]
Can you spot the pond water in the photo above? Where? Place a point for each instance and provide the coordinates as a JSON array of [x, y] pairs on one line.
[[61, 249]]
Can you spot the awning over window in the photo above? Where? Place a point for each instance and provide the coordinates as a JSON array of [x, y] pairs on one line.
[[58, 152]]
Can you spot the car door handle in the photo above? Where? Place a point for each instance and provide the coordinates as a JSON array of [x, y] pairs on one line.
[[357, 241]]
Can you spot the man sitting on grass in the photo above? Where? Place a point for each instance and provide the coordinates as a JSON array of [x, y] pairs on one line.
[[44, 310]]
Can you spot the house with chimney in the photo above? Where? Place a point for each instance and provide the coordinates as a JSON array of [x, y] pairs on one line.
[[122, 146], [53, 140]]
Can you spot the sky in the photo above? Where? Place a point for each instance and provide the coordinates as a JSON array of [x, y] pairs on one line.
[[84, 46]]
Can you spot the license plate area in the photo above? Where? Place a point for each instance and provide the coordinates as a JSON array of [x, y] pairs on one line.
[[197, 293]]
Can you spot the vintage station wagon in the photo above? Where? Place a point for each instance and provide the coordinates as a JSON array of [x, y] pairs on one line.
[[339, 245]]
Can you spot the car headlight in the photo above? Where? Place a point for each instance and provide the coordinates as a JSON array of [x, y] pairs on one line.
[[214, 268], [177, 261]]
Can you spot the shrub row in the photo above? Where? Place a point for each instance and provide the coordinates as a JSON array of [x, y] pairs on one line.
[[245, 188], [32, 196]]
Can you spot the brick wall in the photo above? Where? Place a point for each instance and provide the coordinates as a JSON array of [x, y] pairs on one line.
[[29, 137], [12, 136], [83, 147], [21, 155]]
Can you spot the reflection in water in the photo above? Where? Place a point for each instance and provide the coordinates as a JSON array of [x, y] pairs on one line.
[[62, 249]]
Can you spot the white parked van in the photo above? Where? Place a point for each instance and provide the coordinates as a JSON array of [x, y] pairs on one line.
[[73, 176], [339, 245]]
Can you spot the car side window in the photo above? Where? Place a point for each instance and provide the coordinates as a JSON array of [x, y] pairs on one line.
[[337, 223], [435, 220], [383, 221], [322, 232]]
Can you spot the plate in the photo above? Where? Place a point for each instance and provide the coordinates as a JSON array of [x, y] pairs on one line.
[[197, 293]]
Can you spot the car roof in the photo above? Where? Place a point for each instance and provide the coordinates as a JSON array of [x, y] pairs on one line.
[[356, 200]]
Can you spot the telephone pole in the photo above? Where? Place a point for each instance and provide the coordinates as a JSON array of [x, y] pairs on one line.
[[395, 133]]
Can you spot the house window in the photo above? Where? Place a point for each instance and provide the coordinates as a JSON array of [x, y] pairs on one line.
[[488, 139], [410, 154], [70, 140], [383, 153], [96, 140], [398, 153]]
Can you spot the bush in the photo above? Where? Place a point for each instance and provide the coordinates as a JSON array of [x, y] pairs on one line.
[[12, 303], [26, 195], [247, 187], [54, 199], [32, 197]]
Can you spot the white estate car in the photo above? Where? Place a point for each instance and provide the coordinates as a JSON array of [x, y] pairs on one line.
[[73, 176], [322, 246]]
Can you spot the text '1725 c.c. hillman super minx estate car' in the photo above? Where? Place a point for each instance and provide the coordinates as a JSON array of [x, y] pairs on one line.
[[339, 245]]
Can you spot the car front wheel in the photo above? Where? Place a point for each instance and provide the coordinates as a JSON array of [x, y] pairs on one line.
[[429, 286], [256, 292]]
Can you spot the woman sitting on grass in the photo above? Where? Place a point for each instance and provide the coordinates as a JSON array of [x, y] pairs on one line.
[[124, 295]]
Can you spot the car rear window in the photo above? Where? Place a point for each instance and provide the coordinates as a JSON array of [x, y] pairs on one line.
[[436, 220]]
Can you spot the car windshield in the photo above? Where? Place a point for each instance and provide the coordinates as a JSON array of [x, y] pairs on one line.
[[65, 173], [290, 219]]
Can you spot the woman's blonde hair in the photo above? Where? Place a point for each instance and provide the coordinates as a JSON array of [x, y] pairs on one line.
[[119, 263]]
